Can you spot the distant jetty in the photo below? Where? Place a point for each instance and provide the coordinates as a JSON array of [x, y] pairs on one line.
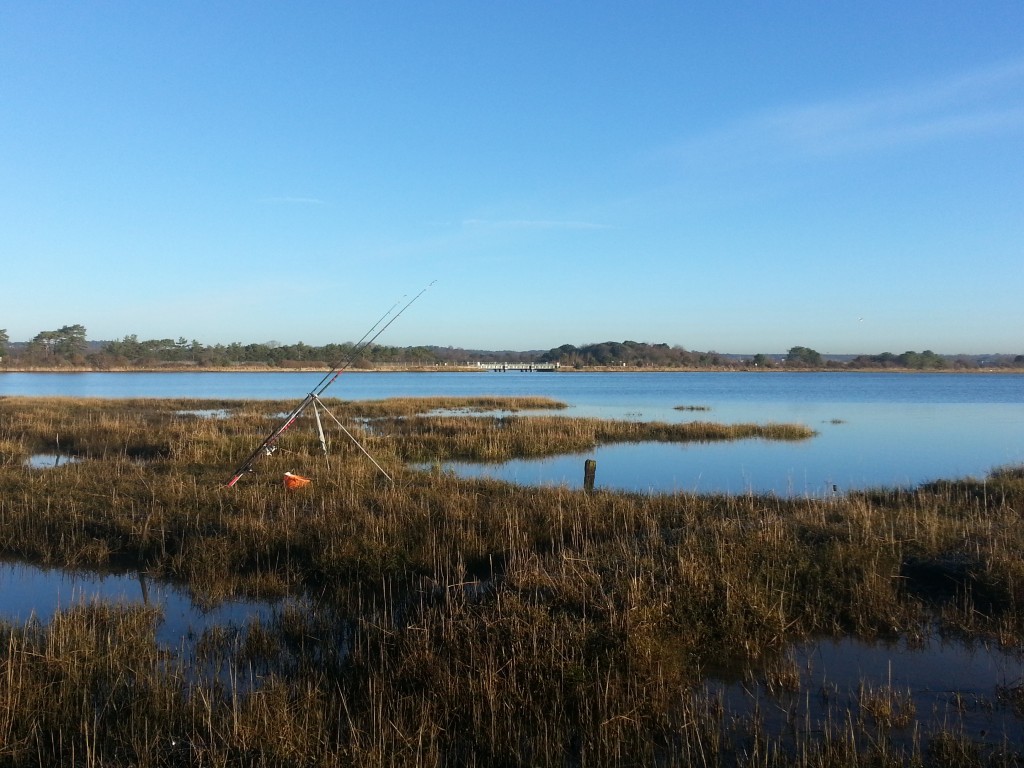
[[539, 367]]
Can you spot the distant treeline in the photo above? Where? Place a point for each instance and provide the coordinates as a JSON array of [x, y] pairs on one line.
[[68, 347], [642, 355]]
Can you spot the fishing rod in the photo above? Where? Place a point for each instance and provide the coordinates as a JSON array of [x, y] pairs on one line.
[[337, 370], [268, 445]]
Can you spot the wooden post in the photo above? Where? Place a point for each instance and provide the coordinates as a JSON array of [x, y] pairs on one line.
[[589, 471]]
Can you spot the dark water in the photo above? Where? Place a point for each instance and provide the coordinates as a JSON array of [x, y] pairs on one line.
[[874, 429], [970, 688], [28, 591]]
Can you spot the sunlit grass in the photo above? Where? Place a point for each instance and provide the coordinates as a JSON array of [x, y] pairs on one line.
[[441, 438]]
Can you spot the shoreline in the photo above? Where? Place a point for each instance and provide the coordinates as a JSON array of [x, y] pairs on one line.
[[474, 369]]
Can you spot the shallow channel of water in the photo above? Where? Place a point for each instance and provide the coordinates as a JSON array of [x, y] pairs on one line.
[[969, 688], [28, 591]]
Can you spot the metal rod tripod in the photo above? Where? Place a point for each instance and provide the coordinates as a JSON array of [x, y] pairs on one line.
[[318, 406]]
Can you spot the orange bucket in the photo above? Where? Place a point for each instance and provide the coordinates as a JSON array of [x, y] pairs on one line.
[[291, 482]]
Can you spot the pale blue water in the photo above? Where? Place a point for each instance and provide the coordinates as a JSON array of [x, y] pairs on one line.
[[897, 429], [618, 391]]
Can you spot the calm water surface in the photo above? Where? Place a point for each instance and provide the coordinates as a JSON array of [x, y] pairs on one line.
[[962, 687], [28, 591], [874, 429]]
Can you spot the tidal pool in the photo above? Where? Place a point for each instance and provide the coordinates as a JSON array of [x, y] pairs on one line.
[[744, 466], [49, 460], [205, 413], [28, 591], [974, 689]]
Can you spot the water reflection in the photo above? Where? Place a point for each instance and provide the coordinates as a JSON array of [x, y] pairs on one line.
[[495, 413], [28, 591], [745, 466], [49, 460], [857, 446], [205, 413], [970, 687]]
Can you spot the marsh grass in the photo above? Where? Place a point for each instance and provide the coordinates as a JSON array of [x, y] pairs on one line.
[[458, 622], [887, 706], [441, 438]]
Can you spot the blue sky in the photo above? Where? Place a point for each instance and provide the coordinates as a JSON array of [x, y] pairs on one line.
[[740, 177]]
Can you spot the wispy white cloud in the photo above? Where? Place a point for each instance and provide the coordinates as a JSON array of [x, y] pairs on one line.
[[967, 105], [530, 224]]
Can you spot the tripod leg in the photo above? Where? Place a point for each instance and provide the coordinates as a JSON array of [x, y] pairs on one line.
[[358, 445], [320, 433]]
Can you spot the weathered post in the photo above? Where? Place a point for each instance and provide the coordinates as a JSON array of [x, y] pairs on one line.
[[589, 471]]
